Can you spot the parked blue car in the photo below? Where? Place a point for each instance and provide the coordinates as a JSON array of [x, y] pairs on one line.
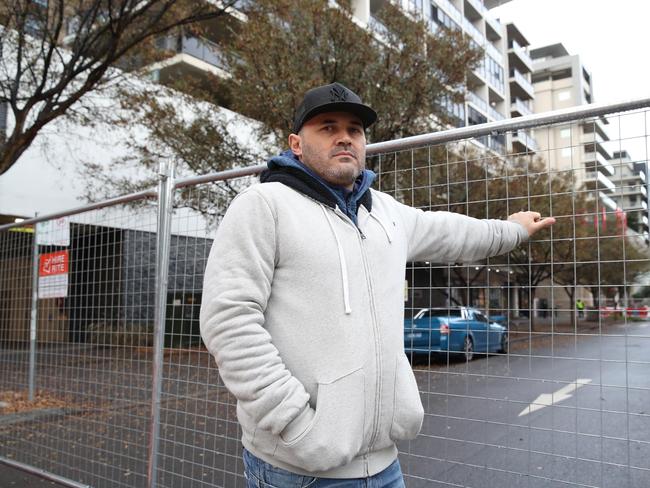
[[458, 330]]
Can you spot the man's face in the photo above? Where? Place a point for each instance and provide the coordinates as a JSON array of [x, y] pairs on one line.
[[333, 145]]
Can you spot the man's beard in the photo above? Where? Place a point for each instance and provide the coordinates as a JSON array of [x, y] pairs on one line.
[[341, 174]]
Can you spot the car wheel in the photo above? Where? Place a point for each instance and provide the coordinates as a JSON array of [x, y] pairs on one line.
[[503, 348], [468, 348]]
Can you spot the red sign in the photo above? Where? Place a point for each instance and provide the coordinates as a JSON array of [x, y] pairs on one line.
[[53, 263]]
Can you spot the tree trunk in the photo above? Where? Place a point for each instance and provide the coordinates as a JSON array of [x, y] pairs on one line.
[[595, 292], [571, 292], [531, 308]]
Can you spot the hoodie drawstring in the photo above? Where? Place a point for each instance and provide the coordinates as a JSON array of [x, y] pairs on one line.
[[381, 224], [344, 267]]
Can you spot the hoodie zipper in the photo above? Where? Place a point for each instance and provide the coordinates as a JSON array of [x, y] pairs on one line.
[[371, 293]]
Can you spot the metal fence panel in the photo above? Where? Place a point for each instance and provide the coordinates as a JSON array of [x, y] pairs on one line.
[[566, 405], [562, 402], [200, 441], [92, 364]]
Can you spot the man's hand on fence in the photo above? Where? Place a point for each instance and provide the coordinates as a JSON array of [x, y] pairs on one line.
[[532, 221]]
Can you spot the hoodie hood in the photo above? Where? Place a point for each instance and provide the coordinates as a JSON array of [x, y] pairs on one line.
[[288, 169]]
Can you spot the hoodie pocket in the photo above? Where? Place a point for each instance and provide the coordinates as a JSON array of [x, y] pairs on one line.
[[408, 412], [335, 434]]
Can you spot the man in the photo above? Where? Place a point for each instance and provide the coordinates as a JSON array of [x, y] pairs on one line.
[[303, 303], [580, 305]]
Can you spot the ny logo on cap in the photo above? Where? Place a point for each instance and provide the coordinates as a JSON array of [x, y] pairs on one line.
[[338, 94]]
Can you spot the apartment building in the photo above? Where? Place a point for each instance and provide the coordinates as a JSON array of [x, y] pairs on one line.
[[631, 193], [501, 85], [560, 80], [522, 93], [582, 151]]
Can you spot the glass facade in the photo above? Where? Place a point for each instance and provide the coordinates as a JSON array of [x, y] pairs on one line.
[[495, 74], [442, 19], [454, 110]]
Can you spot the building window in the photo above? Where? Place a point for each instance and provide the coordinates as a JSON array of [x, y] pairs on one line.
[[456, 111], [566, 152], [416, 6], [474, 117], [538, 78], [495, 73], [564, 95], [562, 74], [565, 133], [442, 19]]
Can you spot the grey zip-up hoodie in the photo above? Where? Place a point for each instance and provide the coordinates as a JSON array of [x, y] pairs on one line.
[[303, 311]]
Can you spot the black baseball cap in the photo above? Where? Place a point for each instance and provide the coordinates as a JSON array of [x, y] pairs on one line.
[[332, 98]]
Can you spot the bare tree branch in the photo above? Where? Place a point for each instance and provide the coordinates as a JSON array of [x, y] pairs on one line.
[[41, 79]]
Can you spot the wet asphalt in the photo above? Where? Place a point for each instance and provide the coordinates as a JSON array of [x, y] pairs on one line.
[[487, 424]]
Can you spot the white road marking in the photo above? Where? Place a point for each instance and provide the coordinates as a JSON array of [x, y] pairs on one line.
[[547, 399]]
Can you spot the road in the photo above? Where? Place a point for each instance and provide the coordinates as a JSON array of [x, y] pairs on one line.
[[566, 411], [572, 412]]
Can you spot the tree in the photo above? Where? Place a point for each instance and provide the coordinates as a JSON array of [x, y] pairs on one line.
[[54, 53], [407, 74], [198, 140], [573, 253], [400, 68]]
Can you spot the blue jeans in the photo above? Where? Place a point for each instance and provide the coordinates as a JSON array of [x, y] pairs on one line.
[[263, 475]]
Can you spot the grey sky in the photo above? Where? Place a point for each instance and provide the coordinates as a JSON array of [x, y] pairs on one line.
[[610, 37]]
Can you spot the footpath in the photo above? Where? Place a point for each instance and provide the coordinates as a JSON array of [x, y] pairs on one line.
[[11, 477]]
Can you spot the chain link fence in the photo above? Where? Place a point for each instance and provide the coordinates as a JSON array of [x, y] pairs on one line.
[[105, 381]]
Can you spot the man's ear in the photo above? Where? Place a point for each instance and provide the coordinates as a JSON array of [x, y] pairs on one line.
[[295, 144]]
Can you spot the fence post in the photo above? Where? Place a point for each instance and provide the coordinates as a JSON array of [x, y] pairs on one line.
[[163, 238], [34, 315]]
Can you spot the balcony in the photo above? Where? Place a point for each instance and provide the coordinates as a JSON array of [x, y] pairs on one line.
[[523, 142], [519, 108], [627, 189], [193, 54], [607, 201], [485, 13], [497, 143], [204, 50], [595, 126], [478, 75], [589, 137], [381, 30], [494, 53], [494, 114], [520, 87], [450, 10], [593, 144], [475, 34], [596, 160], [596, 180], [523, 56], [477, 101], [493, 23], [235, 9]]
